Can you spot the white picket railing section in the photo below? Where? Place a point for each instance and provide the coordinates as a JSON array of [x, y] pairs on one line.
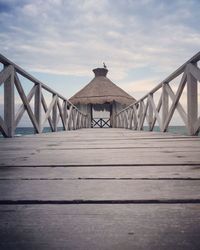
[[59, 108], [134, 116]]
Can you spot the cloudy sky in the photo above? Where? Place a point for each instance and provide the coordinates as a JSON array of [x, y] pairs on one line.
[[61, 41]]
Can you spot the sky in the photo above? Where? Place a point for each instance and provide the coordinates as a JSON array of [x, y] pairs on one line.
[[61, 41]]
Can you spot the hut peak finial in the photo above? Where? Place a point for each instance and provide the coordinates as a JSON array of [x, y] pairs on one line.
[[104, 65]]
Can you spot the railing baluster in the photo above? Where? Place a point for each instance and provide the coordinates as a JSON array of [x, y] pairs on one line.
[[38, 105], [9, 104], [192, 101], [165, 104], [54, 113], [150, 112]]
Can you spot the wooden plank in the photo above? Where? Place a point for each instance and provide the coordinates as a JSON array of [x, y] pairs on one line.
[[102, 172], [70, 190], [115, 157], [158, 168], [122, 226]]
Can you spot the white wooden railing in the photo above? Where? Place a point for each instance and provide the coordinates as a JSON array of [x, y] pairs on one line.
[[58, 109], [145, 109]]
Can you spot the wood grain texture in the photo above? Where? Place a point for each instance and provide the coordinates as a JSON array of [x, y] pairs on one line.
[[110, 189]]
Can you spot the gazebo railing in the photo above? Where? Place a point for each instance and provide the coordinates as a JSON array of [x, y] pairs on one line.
[[134, 116], [58, 109], [101, 123]]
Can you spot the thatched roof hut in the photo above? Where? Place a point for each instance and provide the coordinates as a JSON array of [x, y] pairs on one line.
[[101, 90], [101, 94]]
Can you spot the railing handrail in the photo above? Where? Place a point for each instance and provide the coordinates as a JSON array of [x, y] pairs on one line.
[[24, 73], [172, 76], [60, 108], [134, 115]]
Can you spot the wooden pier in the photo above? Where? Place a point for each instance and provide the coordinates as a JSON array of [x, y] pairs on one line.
[[84, 188], [100, 189]]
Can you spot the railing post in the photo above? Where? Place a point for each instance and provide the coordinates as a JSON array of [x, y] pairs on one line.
[[65, 115], [9, 104], [192, 102], [134, 118], [141, 110], [150, 114], [38, 105], [165, 104], [54, 115]]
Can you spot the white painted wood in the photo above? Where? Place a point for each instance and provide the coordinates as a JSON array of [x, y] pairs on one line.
[[54, 113], [179, 107], [22, 109], [135, 117], [5, 73], [175, 101], [48, 112], [62, 113], [158, 110], [26, 103], [197, 126], [45, 110], [65, 114], [144, 114], [150, 111], [155, 112], [131, 119], [38, 106], [3, 127], [69, 119], [165, 104], [9, 103], [192, 100], [194, 70], [141, 109]]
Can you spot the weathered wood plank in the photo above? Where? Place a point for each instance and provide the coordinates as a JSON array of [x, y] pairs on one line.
[[138, 227], [103, 172], [70, 190]]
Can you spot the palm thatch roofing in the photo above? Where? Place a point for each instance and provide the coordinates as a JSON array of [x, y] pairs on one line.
[[101, 90]]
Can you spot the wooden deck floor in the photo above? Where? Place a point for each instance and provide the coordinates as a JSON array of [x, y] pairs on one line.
[[100, 189]]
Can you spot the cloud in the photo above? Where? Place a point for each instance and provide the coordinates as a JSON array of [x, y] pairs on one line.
[[73, 37]]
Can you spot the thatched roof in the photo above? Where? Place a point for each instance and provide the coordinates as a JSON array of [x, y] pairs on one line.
[[101, 90]]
